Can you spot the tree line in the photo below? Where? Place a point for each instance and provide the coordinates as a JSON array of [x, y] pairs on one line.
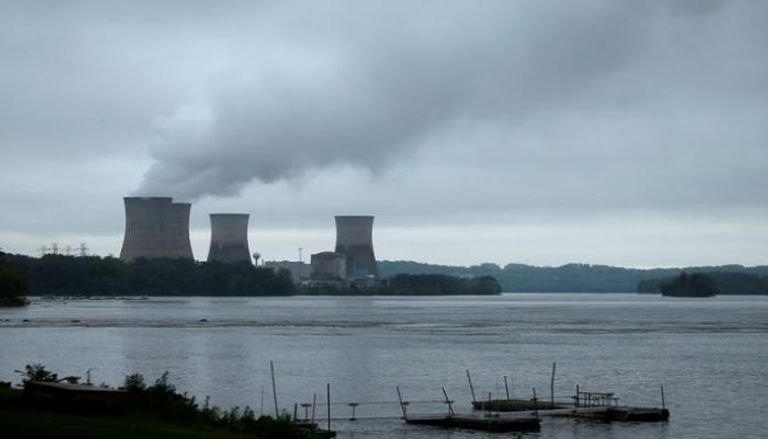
[[577, 278], [97, 276]]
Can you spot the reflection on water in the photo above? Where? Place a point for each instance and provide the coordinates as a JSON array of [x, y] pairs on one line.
[[710, 354]]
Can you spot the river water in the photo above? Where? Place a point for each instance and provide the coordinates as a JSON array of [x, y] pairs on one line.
[[711, 355]]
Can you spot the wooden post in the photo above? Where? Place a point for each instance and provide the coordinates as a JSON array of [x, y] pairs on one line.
[[663, 404], [261, 411], [535, 403], [506, 387], [471, 388], [552, 387], [314, 401], [328, 400], [354, 408], [295, 411], [402, 406], [448, 401], [489, 405], [274, 388], [578, 398]]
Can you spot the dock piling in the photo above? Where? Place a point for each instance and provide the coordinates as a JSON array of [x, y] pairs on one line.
[[506, 387], [552, 386], [663, 404], [314, 401], [447, 401], [578, 398], [471, 388], [402, 404], [328, 400], [274, 388]]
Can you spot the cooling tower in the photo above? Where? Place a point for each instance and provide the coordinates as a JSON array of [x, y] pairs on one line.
[[354, 238], [178, 234], [155, 227], [229, 238]]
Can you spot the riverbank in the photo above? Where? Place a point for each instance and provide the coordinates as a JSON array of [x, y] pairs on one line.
[[22, 424], [13, 302], [55, 408]]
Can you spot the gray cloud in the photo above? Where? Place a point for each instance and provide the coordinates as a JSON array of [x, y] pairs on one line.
[[372, 83], [419, 112]]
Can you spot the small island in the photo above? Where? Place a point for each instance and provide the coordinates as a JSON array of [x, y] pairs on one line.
[[690, 285]]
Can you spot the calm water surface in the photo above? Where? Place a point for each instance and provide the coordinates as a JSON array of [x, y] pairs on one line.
[[711, 355]]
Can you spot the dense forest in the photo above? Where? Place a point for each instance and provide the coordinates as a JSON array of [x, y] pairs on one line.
[[69, 275], [572, 277], [13, 285], [96, 276]]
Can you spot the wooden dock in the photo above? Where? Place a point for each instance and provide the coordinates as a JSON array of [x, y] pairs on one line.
[[516, 405], [620, 414]]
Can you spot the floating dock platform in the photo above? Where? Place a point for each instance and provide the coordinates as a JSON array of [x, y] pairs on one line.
[[516, 405], [618, 414], [474, 422]]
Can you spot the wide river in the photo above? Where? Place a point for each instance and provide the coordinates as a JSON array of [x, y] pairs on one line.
[[711, 355]]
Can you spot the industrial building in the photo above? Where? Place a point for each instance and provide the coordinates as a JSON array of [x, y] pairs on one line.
[[354, 239], [156, 227], [229, 238], [328, 266]]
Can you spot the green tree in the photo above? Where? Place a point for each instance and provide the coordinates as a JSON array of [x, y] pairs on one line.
[[13, 286]]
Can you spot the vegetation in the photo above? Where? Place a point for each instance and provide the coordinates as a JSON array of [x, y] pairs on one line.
[[409, 285], [156, 411], [69, 275], [570, 278], [726, 282], [13, 285], [693, 285], [426, 284]]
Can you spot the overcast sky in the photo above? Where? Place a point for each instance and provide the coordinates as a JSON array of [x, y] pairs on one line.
[[542, 132]]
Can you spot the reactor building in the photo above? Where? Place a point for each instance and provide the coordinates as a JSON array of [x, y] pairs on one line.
[[354, 240], [229, 238], [328, 266], [156, 227]]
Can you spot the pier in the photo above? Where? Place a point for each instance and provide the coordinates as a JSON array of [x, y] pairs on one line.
[[492, 415]]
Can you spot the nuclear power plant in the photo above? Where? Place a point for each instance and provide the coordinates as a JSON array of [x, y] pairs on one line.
[[354, 239], [156, 227], [229, 238]]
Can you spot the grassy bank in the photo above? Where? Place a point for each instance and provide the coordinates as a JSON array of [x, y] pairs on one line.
[[19, 423], [11, 302], [53, 406]]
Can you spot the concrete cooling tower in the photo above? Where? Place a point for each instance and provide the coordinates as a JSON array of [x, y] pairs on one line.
[[229, 238], [354, 238], [156, 227]]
